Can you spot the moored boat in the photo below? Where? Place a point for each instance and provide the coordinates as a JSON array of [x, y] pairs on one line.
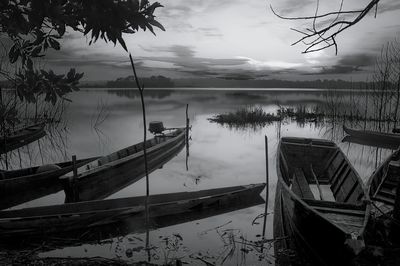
[[380, 139], [30, 223], [323, 199], [111, 173], [21, 137], [23, 185]]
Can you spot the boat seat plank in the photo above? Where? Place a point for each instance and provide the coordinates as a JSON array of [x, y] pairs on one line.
[[300, 185]]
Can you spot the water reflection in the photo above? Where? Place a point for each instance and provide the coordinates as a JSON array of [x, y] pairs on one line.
[[219, 157]]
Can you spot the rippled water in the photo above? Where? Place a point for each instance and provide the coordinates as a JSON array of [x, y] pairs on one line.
[[219, 156]]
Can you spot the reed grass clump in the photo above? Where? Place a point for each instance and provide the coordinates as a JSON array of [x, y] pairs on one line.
[[245, 115]]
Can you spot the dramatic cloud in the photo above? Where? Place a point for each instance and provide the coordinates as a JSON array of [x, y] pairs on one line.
[[232, 39], [347, 64]]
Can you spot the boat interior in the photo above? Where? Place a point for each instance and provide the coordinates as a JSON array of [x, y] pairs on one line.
[[319, 173]]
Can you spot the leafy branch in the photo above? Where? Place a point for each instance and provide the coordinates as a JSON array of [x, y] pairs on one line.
[[34, 26]]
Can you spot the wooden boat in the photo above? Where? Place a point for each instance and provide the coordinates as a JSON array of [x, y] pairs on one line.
[[21, 137], [323, 198], [113, 172], [23, 185], [25, 224], [134, 224], [364, 142], [382, 184], [380, 139]]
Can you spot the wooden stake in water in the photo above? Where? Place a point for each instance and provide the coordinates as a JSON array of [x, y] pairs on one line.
[[74, 169], [266, 186], [187, 137]]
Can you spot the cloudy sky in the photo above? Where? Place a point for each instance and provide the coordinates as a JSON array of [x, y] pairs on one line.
[[236, 39]]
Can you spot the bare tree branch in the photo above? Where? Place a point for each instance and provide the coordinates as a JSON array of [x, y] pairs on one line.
[[323, 35]]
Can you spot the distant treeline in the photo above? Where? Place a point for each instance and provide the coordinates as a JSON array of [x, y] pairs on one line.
[[152, 82], [164, 82]]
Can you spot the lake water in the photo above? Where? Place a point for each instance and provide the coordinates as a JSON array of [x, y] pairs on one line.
[[98, 122]]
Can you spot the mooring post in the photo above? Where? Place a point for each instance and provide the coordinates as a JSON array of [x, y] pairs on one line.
[[75, 171], [75, 194], [187, 137], [266, 186]]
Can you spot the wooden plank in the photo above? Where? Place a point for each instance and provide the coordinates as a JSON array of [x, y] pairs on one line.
[[300, 185], [321, 196]]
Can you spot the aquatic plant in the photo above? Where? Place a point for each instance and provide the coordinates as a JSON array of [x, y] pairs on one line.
[[245, 115]]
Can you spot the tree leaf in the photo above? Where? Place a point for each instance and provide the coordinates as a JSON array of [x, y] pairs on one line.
[[157, 24]]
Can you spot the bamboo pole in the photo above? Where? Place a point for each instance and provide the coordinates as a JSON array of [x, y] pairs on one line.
[[187, 137], [266, 186]]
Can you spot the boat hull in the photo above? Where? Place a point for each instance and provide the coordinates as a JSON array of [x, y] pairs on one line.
[[31, 134]]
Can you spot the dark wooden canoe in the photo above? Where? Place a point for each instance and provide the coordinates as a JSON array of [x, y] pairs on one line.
[[55, 219], [323, 196], [380, 139], [133, 224], [23, 185], [21, 137], [382, 184], [113, 172]]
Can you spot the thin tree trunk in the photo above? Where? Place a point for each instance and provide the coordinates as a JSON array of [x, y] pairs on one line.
[[141, 89]]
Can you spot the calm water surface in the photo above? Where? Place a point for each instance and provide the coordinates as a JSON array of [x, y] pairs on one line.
[[99, 122]]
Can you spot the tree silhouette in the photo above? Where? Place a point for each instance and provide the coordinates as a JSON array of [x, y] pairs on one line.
[[34, 26]]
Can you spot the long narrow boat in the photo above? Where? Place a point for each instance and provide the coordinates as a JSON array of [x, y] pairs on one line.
[[113, 172], [24, 224], [382, 184], [23, 185], [134, 224], [21, 137], [380, 139], [364, 142], [323, 198]]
